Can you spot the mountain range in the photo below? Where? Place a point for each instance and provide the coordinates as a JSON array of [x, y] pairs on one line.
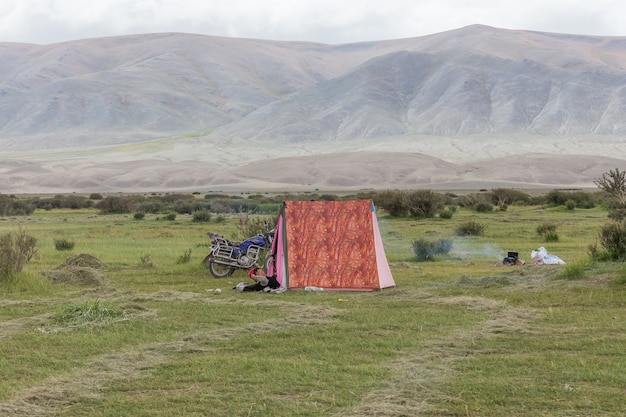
[[469, 108]]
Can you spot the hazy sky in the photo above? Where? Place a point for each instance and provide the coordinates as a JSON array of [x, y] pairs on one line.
[[327, 21]]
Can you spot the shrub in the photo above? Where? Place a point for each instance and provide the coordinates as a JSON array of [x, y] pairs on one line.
[[15, 252], [612, 238], [544, 228], [427, 249], [551, 237], [391, 201], [168, 216], [186, 207], [121, 204], [185, 257], [139, 215], [145, 261], [483, 207], [151, 206], [581, 198], [63, 244], [613, 183], [446, 213], [422, 203], [472, 199], [202, 216], [570, 204], [253, 226], [470, 228], [10, 206], [95, 196], [502, 197]]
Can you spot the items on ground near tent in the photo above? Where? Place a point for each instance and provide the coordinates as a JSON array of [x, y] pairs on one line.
[[540, 256], [511, 259]]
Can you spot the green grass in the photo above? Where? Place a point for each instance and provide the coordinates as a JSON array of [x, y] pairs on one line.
[[458, 336]]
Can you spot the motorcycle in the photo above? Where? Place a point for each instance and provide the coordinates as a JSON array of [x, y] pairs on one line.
[[226, 256]]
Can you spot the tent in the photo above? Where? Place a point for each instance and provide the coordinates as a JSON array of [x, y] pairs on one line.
[[334, 245]]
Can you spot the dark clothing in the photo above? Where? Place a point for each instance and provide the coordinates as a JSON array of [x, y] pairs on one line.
[[272, 283]]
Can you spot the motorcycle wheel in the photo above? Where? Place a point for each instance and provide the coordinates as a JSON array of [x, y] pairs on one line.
[[267, 261], [220, 271]]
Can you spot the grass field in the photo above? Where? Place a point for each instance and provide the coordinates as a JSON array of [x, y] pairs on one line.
[[457, 336]]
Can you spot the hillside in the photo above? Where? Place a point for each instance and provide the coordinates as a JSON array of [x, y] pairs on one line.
[[180, 111]]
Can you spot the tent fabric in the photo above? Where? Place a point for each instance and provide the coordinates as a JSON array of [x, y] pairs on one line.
[[331, 245]]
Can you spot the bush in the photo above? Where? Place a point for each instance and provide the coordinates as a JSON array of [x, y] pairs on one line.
[[483, 207], [63, 244], [187, 207], [470, 228], [612, 238], [151, 206], [392, 201], [570, 204], [15, 252], [502, 197], [185, 258], [251, 226], [581, 198], [139, 215], [201, 216], [548, 232], [422, 203], [427, 249], [115, 204], [551, 237], [145, 261], [62, 201], [10, 206], [544, 228], [470, 200]]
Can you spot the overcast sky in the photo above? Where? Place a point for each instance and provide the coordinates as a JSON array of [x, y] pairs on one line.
[[327, 21]]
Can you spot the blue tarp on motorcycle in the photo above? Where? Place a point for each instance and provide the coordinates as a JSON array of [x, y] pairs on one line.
[[257, 240]]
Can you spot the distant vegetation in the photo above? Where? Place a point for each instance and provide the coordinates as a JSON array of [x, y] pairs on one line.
[[401, 203]]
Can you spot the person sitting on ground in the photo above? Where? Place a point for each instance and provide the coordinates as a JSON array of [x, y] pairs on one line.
[[262, 281]]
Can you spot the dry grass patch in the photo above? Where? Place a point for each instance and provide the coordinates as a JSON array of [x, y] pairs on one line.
[[77, 275], [83, 260], [80, 270]]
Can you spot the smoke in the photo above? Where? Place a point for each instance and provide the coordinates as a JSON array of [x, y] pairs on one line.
[[466, 249]]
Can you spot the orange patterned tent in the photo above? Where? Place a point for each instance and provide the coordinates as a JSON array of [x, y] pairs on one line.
[[335, 245]]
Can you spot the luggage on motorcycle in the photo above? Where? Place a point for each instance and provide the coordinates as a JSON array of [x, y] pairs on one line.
[[257, 240]]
